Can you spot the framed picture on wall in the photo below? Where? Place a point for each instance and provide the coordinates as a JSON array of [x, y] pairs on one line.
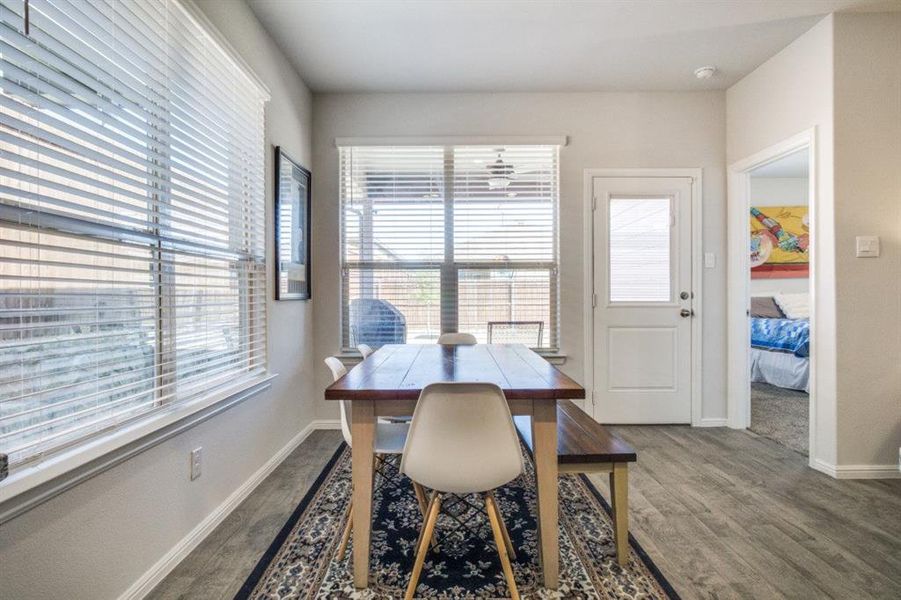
[[780, 240], [292, 229]]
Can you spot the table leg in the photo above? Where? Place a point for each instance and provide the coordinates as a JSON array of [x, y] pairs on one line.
[[619, 501], [362, 431], [544, 439]]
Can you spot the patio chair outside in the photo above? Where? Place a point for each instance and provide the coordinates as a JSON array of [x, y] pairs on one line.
[[529, 333]]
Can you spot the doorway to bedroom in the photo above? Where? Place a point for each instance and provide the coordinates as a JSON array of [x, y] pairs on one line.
[[779, 237]]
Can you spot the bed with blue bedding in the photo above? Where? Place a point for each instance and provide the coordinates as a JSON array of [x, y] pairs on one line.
[[781, 335], [780, 349]]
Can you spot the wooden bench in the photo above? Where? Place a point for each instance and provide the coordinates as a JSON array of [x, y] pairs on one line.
[[585, 446]]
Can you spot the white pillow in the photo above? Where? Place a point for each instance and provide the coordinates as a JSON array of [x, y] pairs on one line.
[[794, 306]]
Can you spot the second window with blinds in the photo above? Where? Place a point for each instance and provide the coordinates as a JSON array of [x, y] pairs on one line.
[[449, 238]]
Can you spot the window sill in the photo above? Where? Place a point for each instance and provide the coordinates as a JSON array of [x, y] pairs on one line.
[[33, 485]]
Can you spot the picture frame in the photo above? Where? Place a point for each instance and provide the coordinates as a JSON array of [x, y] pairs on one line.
[[780, 240], [293, 204]]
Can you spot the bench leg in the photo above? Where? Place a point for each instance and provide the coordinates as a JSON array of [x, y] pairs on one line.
[[619, 500]]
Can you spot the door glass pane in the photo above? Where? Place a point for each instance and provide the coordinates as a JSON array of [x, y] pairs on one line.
[[639, 250]]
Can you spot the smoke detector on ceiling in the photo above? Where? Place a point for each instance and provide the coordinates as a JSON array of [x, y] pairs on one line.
[[705, 72]]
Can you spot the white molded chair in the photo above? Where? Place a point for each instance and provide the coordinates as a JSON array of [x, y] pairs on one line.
[[457, 339], [365, 350], [462, 441], [389, 440], [389, 437]]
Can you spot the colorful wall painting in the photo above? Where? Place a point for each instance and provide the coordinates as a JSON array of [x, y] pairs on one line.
[[780, 240]]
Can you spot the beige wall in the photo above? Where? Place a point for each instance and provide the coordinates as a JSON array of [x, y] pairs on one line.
[[844, 78], [97, 539], [779, 191], [605, 130], [788, 94], [868, 202]]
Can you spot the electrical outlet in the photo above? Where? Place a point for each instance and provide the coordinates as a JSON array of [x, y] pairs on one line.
[[196, 462]]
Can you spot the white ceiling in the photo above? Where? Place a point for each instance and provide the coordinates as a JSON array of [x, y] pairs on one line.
[[538, 45], [793, 165]]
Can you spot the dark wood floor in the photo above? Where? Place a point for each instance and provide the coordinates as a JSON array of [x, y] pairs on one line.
[[723, 513]]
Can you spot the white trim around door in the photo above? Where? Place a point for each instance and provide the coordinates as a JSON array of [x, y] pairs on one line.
[[738, 278], [588, 286]]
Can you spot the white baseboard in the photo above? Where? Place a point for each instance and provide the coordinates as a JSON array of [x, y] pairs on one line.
[[856, 471], [867, 472], [326, 424], [711, 422], [143, 586], [822, 466]]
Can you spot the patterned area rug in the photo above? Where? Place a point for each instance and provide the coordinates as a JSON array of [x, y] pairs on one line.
[[301, 562]]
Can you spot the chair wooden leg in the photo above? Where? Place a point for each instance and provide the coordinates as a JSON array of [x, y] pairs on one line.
[[507, 542], [423, 506], [345, 537], [619, 501], [420, 499], [423, 546], [496, 527]]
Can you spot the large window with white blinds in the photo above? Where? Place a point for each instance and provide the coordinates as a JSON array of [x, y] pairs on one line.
[[449, 238], [131, 219]]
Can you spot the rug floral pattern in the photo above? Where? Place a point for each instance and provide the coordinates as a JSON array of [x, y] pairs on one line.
[[464, 564]]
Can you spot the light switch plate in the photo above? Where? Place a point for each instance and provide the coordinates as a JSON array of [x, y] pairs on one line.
[[867, 246], [709, 260]]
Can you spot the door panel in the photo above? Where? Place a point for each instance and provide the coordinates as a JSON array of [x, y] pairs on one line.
[[642, 316], [649, 364]]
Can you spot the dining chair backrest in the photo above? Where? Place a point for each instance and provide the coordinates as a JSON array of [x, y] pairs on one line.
[[462, 439], [457, 339], [365, 350], [338, 371]]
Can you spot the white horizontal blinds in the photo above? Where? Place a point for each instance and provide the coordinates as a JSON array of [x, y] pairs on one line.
[[505, 240], [505, 204], [77, 337], [639, 251], [393, 204], [393, 226], [438, 238], [131, 210]]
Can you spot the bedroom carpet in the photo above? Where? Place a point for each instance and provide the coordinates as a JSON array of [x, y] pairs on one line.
[[780, 415]]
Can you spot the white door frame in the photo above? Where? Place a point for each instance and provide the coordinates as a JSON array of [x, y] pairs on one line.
[[696, 279], [738, 301]]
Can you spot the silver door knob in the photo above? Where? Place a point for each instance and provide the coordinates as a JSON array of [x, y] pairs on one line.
[[686, 313]]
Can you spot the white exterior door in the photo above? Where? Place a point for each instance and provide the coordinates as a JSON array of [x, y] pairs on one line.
[[643, 299]]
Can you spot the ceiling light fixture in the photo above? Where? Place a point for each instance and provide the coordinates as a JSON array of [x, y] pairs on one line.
[[500, 174], [705, 72]]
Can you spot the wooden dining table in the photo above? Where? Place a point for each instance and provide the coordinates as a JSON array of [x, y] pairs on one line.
[[388, 383]]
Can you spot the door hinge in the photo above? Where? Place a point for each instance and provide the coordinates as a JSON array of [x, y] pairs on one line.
[[594, 203], [593, 395], [594, 300]]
